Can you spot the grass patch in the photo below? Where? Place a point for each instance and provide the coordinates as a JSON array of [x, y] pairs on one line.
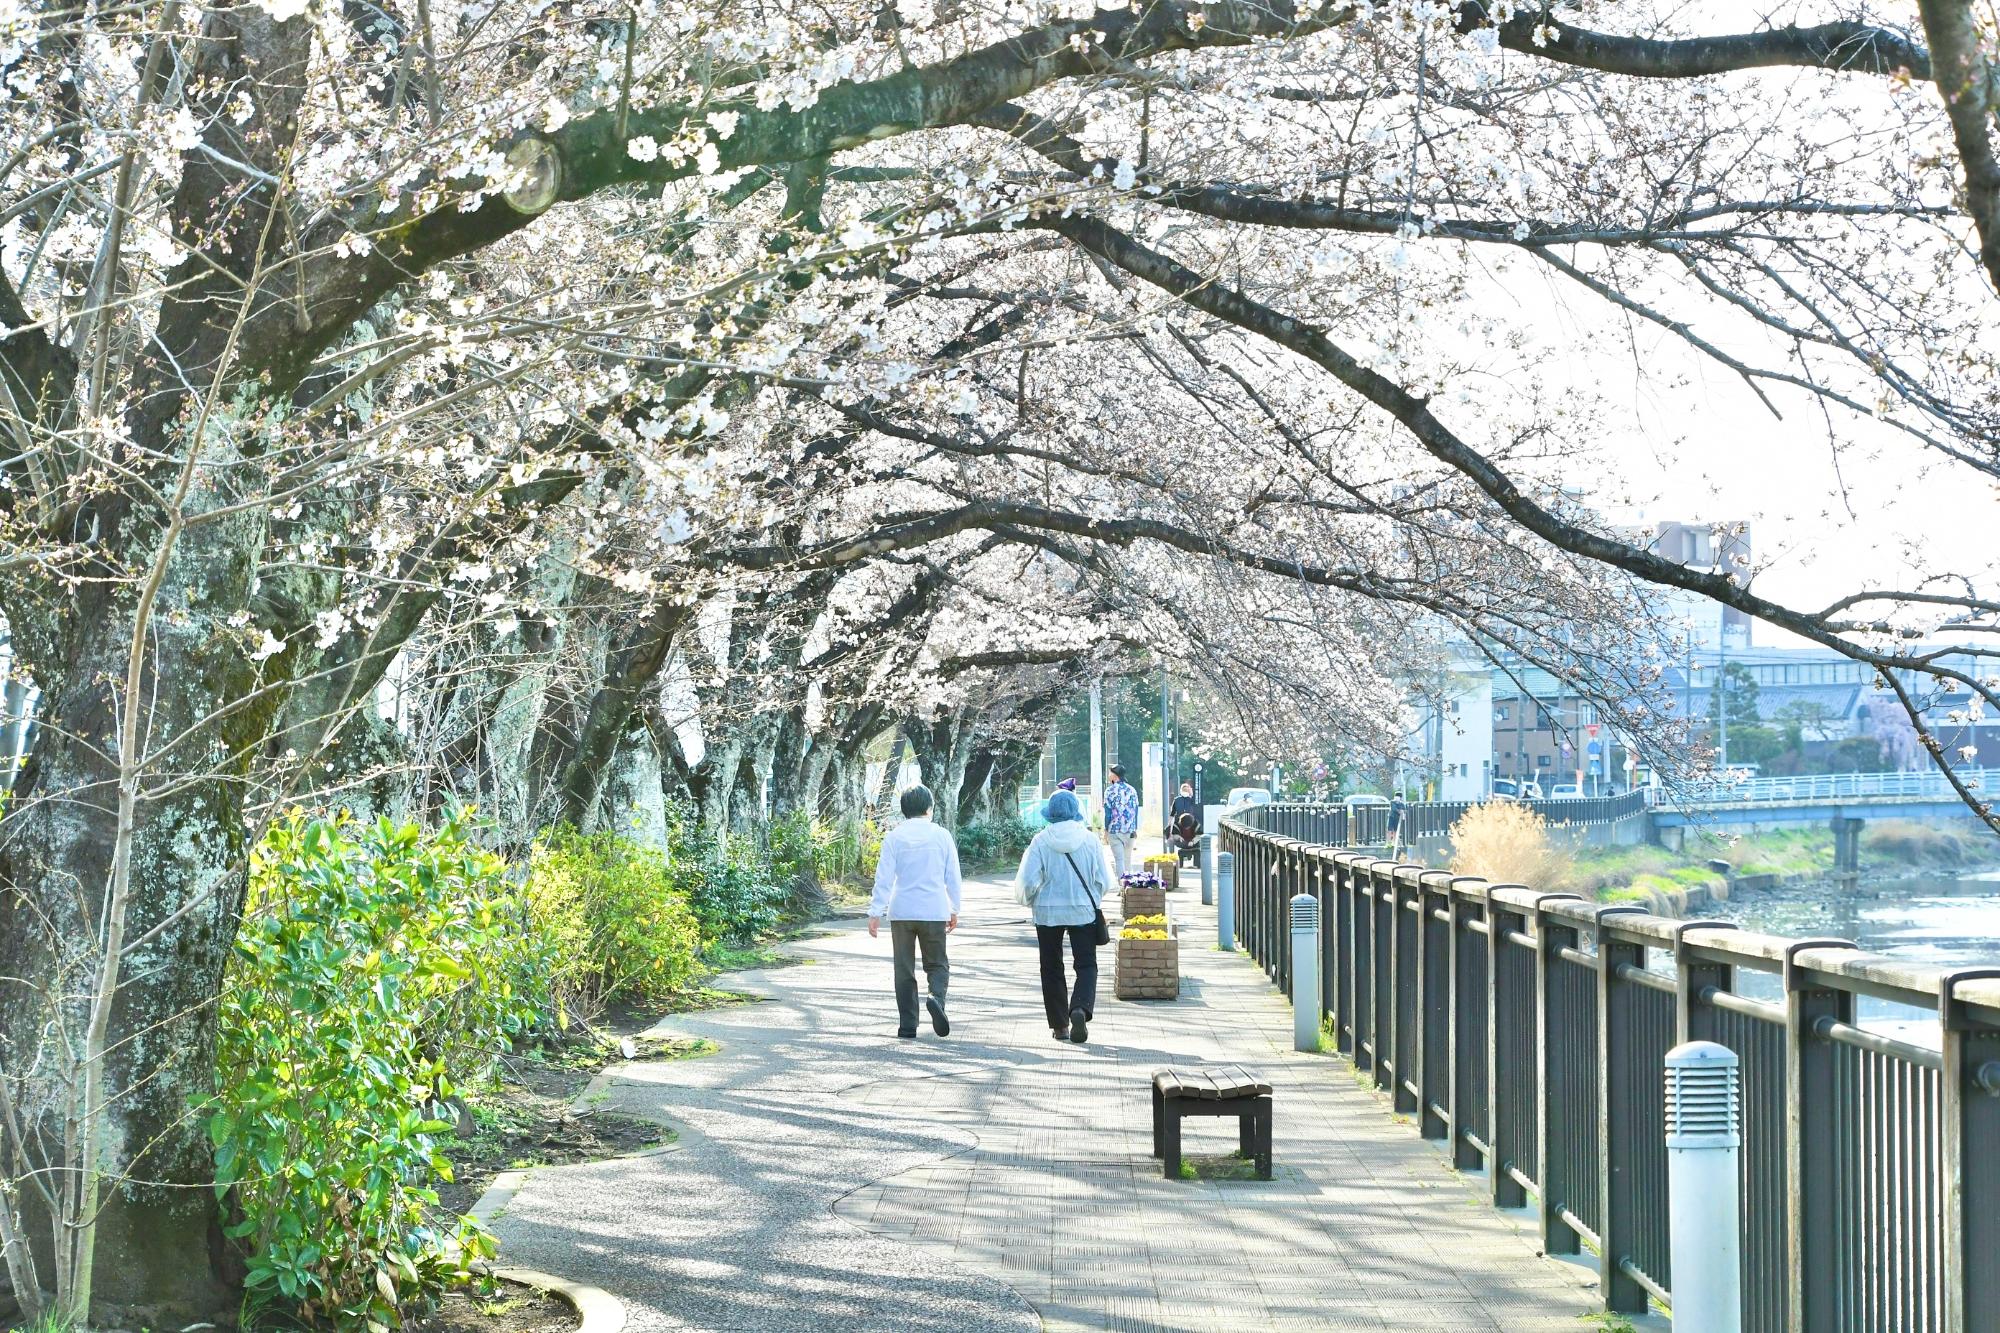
[[1224, 1166], [1906, 842], [735, 958]]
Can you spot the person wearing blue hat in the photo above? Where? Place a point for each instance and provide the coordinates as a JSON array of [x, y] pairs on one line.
[[1064, 878]]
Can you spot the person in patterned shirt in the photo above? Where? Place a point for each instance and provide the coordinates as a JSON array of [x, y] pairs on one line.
[[1121, 818]]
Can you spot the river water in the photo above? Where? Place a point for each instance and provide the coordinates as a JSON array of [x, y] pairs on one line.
[[1943, 921]]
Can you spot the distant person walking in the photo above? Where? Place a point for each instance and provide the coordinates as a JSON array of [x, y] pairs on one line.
[[1121, 819], [1398, 809], [1063, 877], [917, 888]]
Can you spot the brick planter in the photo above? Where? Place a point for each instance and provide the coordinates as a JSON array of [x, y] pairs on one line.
[[1168, 871], [1150, 969], [1142, 902]]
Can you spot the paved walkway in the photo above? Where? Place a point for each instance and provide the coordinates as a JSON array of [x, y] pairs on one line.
[[830, 1176]]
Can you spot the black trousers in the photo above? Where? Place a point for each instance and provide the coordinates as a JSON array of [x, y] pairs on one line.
[[1083, 947]]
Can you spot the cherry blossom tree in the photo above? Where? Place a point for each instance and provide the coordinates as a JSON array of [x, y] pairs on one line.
[[808, 372]]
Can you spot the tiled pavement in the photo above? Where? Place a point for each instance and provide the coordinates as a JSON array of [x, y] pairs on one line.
[[831, 1176]]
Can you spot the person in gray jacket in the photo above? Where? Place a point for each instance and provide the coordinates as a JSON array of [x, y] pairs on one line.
[[1064, 878]]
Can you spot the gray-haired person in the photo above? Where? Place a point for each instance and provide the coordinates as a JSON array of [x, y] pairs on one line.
[[917, 889]]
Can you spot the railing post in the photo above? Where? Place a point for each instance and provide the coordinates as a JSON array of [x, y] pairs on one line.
[[1382, 970], [1694, 1016], [1969, 1159], [1468, 1040], [1506, 1099], [1402, 981], [1329, 942], [1553, 1024], [1361, 876], [1618, 1058], [1281, 938], [1434, 968], [1339, 927], [1812, 1148]]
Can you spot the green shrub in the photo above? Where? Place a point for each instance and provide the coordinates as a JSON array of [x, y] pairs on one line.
[[375, 968], [614, 913], [993, 840], [728, 881]]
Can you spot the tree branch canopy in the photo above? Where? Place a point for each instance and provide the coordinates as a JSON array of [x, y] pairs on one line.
[[591, 154], [1846, 46]]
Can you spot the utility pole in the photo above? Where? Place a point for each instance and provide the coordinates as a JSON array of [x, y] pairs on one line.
[[1166, 749], [1722, 700], [1097, 739]]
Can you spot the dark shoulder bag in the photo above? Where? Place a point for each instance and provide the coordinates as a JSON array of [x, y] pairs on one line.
[[1100, 931]]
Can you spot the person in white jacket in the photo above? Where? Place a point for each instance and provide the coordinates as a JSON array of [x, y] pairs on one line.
[[917, 888], [1064, 878]]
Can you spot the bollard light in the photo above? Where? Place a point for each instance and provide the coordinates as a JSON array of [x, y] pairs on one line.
[[1225, 901], [1208, 841], [1704, 1144], [1305, 972]]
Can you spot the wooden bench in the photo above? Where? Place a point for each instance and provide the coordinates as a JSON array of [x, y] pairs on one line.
[[1211, 1090]]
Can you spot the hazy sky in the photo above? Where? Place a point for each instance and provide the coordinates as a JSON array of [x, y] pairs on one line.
[[1692, 442]]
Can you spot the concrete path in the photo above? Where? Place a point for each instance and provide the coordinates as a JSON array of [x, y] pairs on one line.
[[830, 1176]]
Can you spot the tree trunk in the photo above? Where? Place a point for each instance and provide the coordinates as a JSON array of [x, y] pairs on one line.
[[153, 1262]]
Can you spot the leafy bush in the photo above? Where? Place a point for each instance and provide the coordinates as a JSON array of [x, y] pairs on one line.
[[988, 841], [615, 916], [1507, 843], [375, 967], [727, 881]]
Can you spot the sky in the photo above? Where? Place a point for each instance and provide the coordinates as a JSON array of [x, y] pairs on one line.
[[1692, 442]]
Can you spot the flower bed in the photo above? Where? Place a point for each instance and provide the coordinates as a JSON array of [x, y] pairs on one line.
[[1149, 958], [1167, 869], [1142, 900]]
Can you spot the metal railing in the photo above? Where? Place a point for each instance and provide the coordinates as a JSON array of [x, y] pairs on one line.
[[1328, 824], [1828, 786], [1527, 1031]]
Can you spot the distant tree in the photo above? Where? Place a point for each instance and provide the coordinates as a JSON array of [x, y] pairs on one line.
[[1736, 691], [1856, 754], [1755, 743]]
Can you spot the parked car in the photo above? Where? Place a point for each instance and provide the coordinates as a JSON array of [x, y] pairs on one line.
[[1506, 789], [1364, 798], [1566, 791], [1239, 797]]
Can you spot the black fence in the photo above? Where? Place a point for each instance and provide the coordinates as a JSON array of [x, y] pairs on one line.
[[1328, 824], [1528, 1032]]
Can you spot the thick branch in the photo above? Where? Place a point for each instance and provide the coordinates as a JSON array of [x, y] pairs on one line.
[[1847, 46], [1971, 90]]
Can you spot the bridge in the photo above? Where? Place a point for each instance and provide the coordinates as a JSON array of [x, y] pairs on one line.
[[1843, 801], [1525, 1032]]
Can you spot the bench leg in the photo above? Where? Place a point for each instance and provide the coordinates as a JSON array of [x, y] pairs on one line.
[[1170, 1141], [1246, 1133], [1263, 1147], [1156, 1120]]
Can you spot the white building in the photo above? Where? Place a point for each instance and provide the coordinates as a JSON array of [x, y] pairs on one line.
[[1452, 739]]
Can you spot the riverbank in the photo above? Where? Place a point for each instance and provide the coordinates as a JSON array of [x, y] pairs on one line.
[[1710, 864]]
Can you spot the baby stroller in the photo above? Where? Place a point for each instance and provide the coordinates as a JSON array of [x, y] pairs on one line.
[[1184, 839]]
